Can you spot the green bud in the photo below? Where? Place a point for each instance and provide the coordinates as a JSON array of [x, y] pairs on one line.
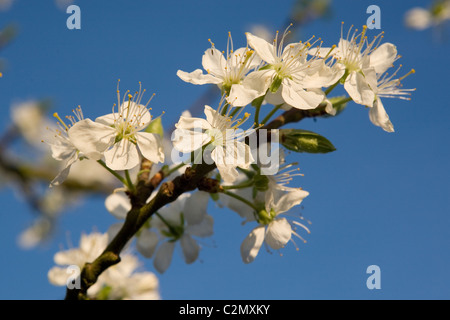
[[155, 127], [305, 141]]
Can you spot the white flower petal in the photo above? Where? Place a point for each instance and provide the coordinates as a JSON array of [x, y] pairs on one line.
[[146, 242], [320, 75], [214, 62], [67, 257], [122, 156], [189, 123], [329, 107], [91, 138], [228, 173], [383, 57], [203, 229], [259, 80], [197, 77], [252, 243], [278, 233], [163, 256], [63, 174], [379, 117], [118, 204], [58, 276], [299, 98], [93, 244], [358, 89], [282, 199], [108, 119], [61, 147], [264, 49], [212, 116], [187, 140], [195, 207], [241, 96], [190, 248], [151, 146]]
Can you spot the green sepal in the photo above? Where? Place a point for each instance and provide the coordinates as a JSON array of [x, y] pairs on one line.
[[276, 84], [156, 127]]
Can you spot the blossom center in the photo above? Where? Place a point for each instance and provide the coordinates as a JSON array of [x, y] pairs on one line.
[[216, 135]]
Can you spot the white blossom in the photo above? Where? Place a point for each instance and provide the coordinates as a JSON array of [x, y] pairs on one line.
[[223, 137], [288, 73], [362, 61], [62, 147], [119, 136], [386, 86], [228, 73], [182, 220]]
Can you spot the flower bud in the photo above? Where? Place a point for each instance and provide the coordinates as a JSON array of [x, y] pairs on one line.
[[305, 141]]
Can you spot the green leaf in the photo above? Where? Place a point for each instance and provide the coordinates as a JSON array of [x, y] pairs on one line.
[[155, 127], [305, 141]]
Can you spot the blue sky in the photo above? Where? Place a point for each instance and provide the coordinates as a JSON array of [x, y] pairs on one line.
[[380, 199]]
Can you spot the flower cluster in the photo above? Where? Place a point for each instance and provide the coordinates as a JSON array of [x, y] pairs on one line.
[[295, 77]]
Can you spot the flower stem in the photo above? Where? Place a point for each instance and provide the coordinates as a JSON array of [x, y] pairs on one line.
[[115, 174], [243, 185], [331, 88], [130, 184], [345, 100], [165, 222], [234, 195], [257, 104], [257, 115]]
